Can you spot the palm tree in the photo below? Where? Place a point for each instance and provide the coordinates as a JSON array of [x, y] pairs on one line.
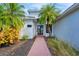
[[11, 20], [11, 15], [48, 15]]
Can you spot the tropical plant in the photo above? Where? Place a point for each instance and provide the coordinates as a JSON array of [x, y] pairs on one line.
[[2, 40], [11, 15], [25, 37], [48, 15], [60, 48], [11, 35]]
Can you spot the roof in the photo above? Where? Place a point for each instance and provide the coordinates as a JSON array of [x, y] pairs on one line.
[[71, 9], [30, 17], [33, 11]]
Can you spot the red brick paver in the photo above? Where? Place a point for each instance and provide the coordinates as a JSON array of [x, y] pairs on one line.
[[39, 48]]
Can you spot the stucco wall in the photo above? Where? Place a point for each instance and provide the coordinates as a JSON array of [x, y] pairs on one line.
[[68, 29], [29, 31]]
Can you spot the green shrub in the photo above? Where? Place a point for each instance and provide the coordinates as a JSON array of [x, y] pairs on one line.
[[25, 37], [60, 48], [9, 36]]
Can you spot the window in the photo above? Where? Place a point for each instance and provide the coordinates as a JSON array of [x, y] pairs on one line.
[[29, 25]]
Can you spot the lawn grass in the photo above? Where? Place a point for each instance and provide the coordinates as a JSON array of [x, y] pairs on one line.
[[60, 48]]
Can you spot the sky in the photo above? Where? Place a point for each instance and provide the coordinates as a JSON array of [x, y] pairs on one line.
[[37, 6]]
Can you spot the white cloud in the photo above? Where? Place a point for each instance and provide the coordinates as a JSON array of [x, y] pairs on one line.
[[34, 5], [37, 6]]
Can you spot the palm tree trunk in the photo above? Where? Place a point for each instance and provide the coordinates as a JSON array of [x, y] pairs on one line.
[[50, 32]]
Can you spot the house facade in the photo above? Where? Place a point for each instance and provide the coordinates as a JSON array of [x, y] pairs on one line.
[[67, 26], [31, 26]]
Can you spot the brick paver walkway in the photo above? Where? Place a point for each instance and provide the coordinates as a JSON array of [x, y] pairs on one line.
[[39, 48]]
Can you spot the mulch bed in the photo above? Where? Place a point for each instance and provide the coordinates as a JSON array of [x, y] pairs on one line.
[[20, 49]]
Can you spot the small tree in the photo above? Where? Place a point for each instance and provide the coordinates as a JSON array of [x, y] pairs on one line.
[[48, 14]]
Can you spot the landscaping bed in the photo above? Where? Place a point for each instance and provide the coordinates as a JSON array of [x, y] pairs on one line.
[[20, 49], [60, 48]]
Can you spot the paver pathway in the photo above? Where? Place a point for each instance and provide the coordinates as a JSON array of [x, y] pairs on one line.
[[39, 48]]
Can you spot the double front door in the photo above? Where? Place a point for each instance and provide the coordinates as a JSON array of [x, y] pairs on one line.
[[40, 29]]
